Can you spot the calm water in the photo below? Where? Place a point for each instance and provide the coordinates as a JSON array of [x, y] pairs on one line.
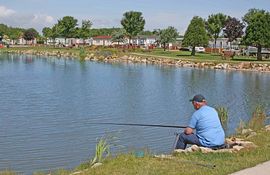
[[47, 106]]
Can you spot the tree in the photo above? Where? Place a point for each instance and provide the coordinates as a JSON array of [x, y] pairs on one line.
[[147, 32], [214, 25], [196, 34], [47, 32], [30, 34], [133, 22], [118, 36], [166, 36], [233, 29], [67, 27], [15, 33], [55, 32], [84, 31], [258, 30], [4, 29]]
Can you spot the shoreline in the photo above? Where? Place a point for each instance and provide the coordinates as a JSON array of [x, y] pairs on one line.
[[153, 60]]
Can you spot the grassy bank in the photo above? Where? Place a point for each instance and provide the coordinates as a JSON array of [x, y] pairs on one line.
[[188, 164], [192, 163], [213, 57]]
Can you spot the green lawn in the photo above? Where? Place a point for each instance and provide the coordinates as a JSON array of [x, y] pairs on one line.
[[189, 164], [186, 55]]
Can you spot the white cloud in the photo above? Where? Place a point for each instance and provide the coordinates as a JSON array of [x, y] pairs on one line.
[[4, 11], [40, 18], [25, 20]]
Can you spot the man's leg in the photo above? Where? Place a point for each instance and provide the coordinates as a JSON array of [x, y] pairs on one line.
[[185, 139]]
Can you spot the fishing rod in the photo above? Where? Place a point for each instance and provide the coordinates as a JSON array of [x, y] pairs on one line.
[[138, 124]]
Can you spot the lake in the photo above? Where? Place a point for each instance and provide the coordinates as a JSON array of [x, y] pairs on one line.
[[47, 106]]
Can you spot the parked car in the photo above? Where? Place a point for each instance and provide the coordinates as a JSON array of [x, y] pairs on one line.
[[184, 49], [252, 51], [198, 49]]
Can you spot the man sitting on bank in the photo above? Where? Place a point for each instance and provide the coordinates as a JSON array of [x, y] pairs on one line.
[[205, 120]]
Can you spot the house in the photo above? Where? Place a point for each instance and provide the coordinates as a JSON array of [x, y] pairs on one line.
[[67, 41], [223, 43], [102, 40], [21, 41], [143, 40]]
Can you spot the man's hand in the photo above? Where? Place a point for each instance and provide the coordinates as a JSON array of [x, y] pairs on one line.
[[188, 130]]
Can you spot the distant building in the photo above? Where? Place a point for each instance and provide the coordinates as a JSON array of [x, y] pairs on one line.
[[223, 43], [143, 40], [21, 41], [102, 40]]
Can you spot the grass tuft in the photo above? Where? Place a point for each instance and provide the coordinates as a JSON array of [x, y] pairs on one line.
[[223, 116], [102, 150], [258, 119]]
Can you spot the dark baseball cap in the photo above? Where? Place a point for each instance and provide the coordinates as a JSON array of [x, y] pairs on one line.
[[198, 98]]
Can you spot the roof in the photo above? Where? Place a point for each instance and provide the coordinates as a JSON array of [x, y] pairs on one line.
[[102, 37]]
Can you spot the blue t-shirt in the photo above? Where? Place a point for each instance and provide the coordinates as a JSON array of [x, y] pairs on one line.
[[208, 127]]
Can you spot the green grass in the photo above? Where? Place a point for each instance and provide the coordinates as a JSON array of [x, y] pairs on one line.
[[186, 55], [188, 164]]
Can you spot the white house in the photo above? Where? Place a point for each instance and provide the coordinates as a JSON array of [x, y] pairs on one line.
[[143, 40], [102, 40], [20, 41], [224, 44]]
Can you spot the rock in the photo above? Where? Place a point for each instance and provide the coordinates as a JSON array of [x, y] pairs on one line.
[[267, 127], [245, 65], [246, 131], [195, 148], [218, 66], [180, 151], [252, 134], [237, 147], [163, 156], [87, 58], [246, 144], [188, 65], [189, 149], [96, 165], [225, 151], [125, 57], [206, 150]]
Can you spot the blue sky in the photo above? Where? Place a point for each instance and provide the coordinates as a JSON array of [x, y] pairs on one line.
[[108, 13]]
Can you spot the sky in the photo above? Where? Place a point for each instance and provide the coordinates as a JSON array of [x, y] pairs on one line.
[[158, 14]]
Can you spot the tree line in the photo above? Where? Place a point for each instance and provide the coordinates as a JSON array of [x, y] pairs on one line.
[[254, 29]]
